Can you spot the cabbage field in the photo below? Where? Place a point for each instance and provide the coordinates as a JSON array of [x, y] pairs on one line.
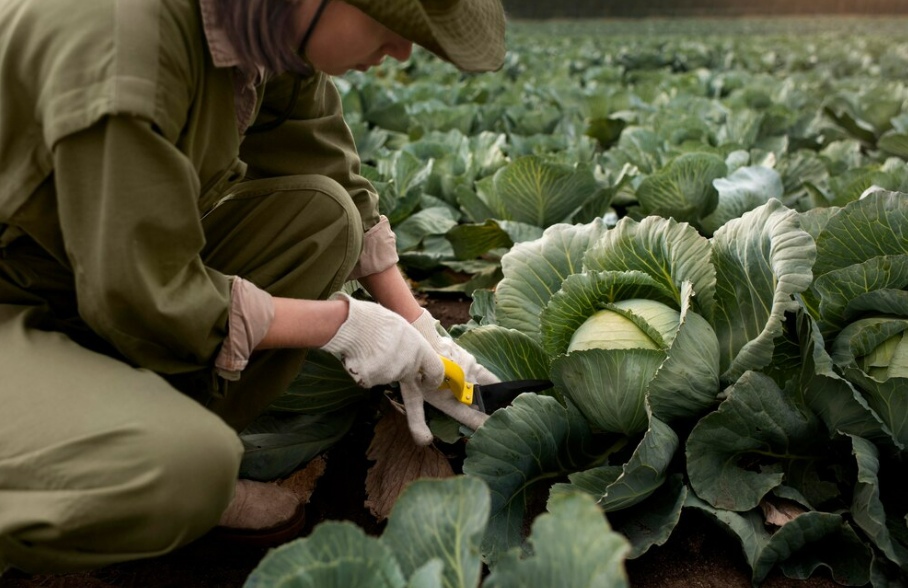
[[730, 200]]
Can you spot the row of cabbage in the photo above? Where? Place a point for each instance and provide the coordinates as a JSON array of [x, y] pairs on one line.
[[703, 242]]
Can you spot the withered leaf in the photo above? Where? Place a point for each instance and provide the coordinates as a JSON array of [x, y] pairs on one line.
[[303, 482], [778, 511], [398, 461]]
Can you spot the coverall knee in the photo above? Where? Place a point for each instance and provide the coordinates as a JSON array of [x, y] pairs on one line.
[[103, 462]]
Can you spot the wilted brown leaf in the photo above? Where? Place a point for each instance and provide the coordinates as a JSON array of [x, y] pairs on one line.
[[778, 511], [303, 482], [398, 461]]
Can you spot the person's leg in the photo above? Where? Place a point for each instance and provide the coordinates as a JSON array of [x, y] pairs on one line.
[[100, 462], [296, 237]]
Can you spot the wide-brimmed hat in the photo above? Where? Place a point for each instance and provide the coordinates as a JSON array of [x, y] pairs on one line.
[[468, 33]]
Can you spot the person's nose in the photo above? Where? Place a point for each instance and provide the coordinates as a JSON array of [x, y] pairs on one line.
[[399, 48]]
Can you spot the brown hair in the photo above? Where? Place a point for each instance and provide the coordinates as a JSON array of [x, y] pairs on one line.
[[262, 33]]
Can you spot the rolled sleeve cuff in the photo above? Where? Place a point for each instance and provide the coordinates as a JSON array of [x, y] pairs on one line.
[[379, 250], [251, 313]]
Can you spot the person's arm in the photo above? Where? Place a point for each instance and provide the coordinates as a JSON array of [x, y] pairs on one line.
[[128, 210], [304, 323], [390, 289]]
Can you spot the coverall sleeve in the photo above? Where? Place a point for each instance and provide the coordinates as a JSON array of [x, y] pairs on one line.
[[128, 211], [316, 140]]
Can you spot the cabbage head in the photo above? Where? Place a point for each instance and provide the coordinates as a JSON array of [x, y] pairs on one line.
[[632, 356], [860, 302], [614, 328]]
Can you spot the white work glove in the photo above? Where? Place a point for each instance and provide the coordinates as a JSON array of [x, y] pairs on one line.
[[377, 346], [446, 346]]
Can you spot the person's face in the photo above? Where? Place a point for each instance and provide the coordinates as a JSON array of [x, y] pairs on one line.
[[346, 38]]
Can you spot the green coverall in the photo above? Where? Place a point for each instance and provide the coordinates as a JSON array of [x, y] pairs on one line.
[[129, 200]]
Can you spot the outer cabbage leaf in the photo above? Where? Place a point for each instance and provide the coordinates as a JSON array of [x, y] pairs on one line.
[[877, 285], [509, 354], [572, 545], [864, 229], [888, 399], [867, 508], [469, 241], [518, 448], [762, 260], [432, 538], [440, 519], [277, 444], [404, 177], [322, 385], [894, 143], [683, 189], [609, 386], [335, 555], [814, 540], [533, 191], [669, 252], [830, 396], [617, 488], [757, 421], [687, 382], [535, 270], [651, 522], [748, 527], [416, 228], [744, 190], [640, 147]]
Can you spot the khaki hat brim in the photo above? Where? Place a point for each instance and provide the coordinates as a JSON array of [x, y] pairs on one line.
[[468, 33]]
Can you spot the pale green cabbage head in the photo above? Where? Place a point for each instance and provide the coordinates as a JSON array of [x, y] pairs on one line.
[[611, 329]]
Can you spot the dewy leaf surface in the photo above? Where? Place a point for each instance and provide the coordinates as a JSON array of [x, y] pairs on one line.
[[670, 252], [758, 422], [528, 443], [573, 547], [335, 555], [533, 271], [440, 519], [761, 261]]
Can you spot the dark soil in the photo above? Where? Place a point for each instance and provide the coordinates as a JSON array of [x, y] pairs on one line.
[[698, 554]]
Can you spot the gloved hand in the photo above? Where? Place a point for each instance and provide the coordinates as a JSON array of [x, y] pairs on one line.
[[378, 346], [446, 346]]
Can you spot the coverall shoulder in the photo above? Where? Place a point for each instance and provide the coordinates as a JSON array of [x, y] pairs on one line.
[[118, 134]]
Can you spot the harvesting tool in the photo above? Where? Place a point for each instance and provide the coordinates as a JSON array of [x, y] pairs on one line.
[[488, 397]]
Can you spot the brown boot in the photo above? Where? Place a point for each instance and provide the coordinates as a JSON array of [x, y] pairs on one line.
[[263, 514]]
